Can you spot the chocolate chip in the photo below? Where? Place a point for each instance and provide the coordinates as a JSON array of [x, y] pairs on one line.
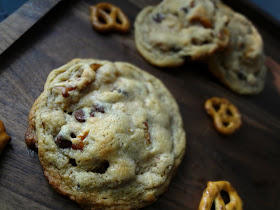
[[72, 162], [121, 91], [241, 76], [72, 135], [175, 49], [195, 41], [80, 115], [91, 113], [185, 9], [62, 142], [98, 108], [158, 17]]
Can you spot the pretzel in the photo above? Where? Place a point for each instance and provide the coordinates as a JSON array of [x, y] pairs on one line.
[[4, 138], [226, 117], [106, 17], [212, 194]]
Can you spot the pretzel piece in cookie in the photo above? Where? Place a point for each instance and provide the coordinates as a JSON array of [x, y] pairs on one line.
[[212, 194], [106, 17], [226, 117], [4, 138]]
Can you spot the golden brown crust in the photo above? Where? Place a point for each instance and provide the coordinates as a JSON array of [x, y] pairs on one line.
[[30, 135], [4, 138], [31, 138], [212, 194]]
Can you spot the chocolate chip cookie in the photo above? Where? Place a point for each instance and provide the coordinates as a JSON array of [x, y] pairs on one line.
[[175, 30], [109, 135], [241, 65]]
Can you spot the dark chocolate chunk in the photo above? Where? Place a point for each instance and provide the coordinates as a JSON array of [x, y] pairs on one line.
[[72, 135], [80, 115], [185, 9], [91, 113], [176, 49], [98, 108], [62, 142], [158, 17], [121, 91], [72, 162], [241, 76]]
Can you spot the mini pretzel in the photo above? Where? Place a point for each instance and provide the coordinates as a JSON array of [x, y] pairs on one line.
[[226, 117], [106, 17], [212, 193], [4, 138]]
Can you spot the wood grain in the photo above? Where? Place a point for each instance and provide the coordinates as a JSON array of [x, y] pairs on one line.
[[21, 20], [248, 159]]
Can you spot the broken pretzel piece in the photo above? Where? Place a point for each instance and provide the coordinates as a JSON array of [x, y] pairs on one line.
[[4, 138]]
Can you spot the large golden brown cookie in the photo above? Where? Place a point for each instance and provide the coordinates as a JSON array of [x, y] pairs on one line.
[[109, 135]]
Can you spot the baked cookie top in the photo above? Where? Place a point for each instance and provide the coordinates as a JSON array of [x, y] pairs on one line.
[[174, 30], [109, 134], [241, 65]]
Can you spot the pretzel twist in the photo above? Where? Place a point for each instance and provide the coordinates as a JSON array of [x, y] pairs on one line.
[[4, 138], [212, 194], [226, 117], [106, 17]]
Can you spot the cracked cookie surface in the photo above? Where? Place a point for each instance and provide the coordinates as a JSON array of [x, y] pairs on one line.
[[109, 135], [175, 30]]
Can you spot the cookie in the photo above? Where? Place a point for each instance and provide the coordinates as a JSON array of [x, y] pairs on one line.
[[241, 65], [109, 135], [175, 30]]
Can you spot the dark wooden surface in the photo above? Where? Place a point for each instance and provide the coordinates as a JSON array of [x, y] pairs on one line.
[[249, 159], [21, 20]]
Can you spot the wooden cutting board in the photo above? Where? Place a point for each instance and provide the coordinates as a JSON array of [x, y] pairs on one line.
[[249, 159]]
